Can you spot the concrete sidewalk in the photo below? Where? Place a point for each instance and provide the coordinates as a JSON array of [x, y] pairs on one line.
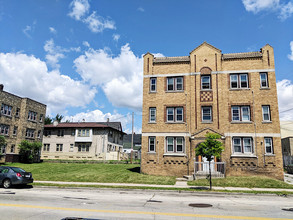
[[178, 185]]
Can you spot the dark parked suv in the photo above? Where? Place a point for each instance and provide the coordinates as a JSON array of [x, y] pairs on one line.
[[14, 176]]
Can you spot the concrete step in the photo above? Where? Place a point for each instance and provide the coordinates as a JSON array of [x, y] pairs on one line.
[[181, 179]]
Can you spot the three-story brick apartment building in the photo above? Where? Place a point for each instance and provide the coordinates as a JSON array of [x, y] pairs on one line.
[[20, 119], [233, 95]]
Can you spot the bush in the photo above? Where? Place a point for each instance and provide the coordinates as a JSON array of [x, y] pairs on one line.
[[29, 151]]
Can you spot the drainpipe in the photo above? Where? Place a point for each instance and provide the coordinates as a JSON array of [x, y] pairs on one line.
[[255, 138]]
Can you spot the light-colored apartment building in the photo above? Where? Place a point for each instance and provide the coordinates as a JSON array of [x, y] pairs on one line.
[[83, 141], [20, 119], [232, 94]]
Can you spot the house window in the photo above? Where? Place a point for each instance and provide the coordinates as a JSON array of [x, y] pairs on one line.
[[59, 147], [15, 130], [3, 149], [41, 117], [32, 116], [71, 148], [39, 133], [206, 113], [175, 144], [72, 132], [12, 148], [242, 145], [4, 130], [238, 81], [175, 114], [6, 110], [175, 83], [83, 148], [152, 144], [17, 112], [264, 80], [46, 147], [266, 113], [153, 114], [30, 133], [83, 133], [240, 113], [153, 84], [205, 82], [60, 133], [269, 145], [47, 133]]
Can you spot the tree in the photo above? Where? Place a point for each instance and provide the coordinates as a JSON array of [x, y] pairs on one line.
[[29, 151], [2, 142], [58, 118], [48, 120], [209, 149]]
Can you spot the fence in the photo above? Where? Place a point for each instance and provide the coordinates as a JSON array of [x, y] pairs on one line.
[[201, 169]]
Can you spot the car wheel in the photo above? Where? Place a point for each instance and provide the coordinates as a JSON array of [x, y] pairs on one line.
[[6, 183]]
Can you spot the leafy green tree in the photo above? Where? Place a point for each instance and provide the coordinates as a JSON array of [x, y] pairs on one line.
[[48, 120], [29, 151], [210, 149], [58, 118], [2, 142]]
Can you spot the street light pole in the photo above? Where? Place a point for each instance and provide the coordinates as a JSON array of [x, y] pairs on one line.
[[131, 154]]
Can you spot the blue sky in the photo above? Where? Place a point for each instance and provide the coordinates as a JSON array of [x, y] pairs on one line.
[[83, 58]]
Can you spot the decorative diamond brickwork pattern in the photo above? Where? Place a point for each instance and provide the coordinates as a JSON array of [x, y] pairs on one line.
[[206, 96]]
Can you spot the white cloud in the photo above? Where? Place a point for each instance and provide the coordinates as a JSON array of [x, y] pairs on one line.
[[52, 30], [28, 76], [116, 37], [284, 10], [290, 56], [86, 44], [120, 77], [97, 23], [79, 8], [140, 9], [285, 97], [26, 31]]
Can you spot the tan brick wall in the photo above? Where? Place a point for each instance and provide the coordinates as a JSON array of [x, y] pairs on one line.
[[220, 97]]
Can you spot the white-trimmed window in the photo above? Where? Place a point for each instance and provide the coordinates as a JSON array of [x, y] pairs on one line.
[[30, 133], [39, 133], [264, 80], [175, 83], [32, 116], [85, 133], [4, 130], [266, 115], [175, 144], [206, 112], [41, 117], [242, 145], [71, 148], [6, 110], [152, 114], [59, 147], [12, 148], [15, 130], [83, 147], [239, 81], [152, 144], [268, 145], [240, 113], [206, 82], [175, 114], [46, 147], [153, 84]]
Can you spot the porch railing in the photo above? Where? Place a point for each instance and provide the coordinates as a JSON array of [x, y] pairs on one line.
[[201, 169]]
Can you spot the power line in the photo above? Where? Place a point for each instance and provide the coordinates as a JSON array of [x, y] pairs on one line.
[[286, 110]]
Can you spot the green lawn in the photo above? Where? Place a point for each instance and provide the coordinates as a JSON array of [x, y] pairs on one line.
[[243, 181], [82, 172]]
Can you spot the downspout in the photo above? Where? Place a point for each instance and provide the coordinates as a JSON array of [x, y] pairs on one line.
[[255, 139]]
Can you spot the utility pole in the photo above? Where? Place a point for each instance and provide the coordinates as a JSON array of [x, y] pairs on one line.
[[131, 154]]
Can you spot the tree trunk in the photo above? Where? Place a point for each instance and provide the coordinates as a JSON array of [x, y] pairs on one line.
[[210, 175]]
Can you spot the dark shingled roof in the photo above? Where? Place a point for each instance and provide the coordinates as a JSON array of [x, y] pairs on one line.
[[171, 59], [229, 56]]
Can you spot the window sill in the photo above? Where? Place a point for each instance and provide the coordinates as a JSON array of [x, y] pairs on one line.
[[206, 90], [264, 88], [206, 122], [32, 121], [241, 122], [174, 91], [152, 122], [244, 155], [170, 122], [7, 116], [175, 154], [267, 122], [150, 152], [239, 89], [150, 92], [270, 155]]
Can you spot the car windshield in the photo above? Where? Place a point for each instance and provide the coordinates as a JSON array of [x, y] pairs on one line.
[[17, 170]]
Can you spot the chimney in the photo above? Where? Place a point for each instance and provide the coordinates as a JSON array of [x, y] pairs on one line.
[[108, 119], [1, 87]]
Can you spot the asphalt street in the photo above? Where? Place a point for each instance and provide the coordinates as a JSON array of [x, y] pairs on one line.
[[59, 203]]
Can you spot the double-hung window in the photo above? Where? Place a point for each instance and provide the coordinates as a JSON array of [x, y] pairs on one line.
[[264, 80], [6, 110], [175, 144], [175, 114], [266, 116], [242, 145], [152, 144], [175, 83], [240, 113], [206, 82], [86, 133], [206, 112], [83, 148], [268, 145], [152, 114], [30, 133], [46, 147], [32, 116], [59, 147], [153, 84], [4, 129], [239, 81]]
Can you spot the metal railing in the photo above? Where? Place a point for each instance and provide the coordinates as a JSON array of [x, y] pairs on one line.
[[201, 169]]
